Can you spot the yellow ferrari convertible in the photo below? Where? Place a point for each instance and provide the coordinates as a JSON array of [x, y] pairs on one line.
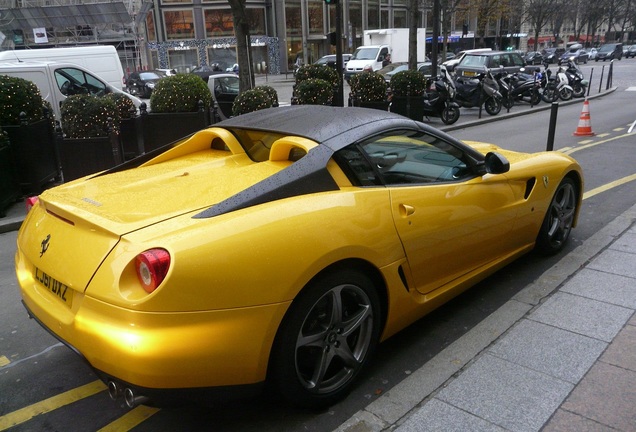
[[279, 247]]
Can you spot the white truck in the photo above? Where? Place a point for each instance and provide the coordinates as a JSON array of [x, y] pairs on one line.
[[378, 44], [102, 60], [56, 81]]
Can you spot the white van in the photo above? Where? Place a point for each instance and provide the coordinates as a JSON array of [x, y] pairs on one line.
[[56, 81], [102, 60]]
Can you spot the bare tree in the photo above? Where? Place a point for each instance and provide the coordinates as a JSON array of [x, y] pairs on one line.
[[243, 45]]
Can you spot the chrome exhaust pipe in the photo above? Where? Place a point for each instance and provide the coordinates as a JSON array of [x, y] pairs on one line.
[[132, 399], [114, 390]]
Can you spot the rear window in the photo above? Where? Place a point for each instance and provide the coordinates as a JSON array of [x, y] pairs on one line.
[[474, 60]]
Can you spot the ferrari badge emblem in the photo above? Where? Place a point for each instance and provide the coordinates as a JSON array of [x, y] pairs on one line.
[[44, 246]]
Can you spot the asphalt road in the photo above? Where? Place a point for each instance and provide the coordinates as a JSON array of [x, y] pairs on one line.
[[47, 387]]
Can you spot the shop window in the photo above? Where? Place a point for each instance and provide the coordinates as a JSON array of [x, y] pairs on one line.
[[179, 24]]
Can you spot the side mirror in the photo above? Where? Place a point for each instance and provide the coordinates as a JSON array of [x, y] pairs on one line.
[[496, 163]]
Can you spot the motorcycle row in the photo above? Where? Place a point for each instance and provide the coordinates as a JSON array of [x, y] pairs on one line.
[[446, 93]]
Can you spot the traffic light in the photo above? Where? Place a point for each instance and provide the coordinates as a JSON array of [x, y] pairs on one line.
[[332, 37], [331, 2]]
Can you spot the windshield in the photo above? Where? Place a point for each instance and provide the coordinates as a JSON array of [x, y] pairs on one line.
[[606, 48], [363, 53]]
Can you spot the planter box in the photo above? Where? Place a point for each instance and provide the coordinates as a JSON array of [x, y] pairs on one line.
[[35, 155], [411, 107], [82, 157], [150, 131], [9, 187], [380, 105]]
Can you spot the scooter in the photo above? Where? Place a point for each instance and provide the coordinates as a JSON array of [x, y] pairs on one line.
[[519, 87], [483, 89], [558, 87], [576, 79], [439, 98]]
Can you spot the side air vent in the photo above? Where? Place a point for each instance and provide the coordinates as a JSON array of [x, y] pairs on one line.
[[403, 277], [529, 186]]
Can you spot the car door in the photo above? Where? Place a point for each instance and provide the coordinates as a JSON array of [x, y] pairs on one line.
[[450, 220]]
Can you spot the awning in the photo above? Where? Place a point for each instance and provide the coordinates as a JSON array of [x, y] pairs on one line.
[[71, 16], [542, 39]]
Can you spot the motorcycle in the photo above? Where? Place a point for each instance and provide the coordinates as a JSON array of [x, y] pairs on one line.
[[556, 87], [519, 87], [439, 99], [482, 89], [576, 79]]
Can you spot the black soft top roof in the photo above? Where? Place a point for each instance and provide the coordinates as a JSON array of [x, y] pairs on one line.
[[334, 127]]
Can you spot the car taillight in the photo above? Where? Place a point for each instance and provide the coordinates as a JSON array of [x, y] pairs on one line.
[[30, 202], [152, 266]]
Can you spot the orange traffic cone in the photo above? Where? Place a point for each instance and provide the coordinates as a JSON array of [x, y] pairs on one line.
[[585, 126]]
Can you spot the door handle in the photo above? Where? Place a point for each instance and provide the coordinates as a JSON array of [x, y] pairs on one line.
[[406, 210]]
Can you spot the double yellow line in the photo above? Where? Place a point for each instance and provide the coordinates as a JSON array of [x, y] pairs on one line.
[[124, 423]]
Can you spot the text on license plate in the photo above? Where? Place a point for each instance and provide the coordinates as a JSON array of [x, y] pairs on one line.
[[54, 286]]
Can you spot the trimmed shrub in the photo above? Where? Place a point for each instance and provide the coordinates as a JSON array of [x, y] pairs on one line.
[[125, 107], [251, 100], [408, 83], [271, 92], [314, 92], [180, 93], [19, 95], [369, 87], [313, 71], [86, 116]]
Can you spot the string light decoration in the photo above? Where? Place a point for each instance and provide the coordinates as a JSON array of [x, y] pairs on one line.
[[314, 91], [368, 87], [19, 95], [125, 106], [180, 93], [408, 83], [251, 100], [317, 72], [85, 116]]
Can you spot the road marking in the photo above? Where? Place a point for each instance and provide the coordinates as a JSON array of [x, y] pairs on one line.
[[130, 419], [609, 186], [572, 150], [27, 413]]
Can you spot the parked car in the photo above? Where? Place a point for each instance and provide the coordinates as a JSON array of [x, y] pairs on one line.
[[424, 68], [474, 63], [533, 58], [552, 55], [610, 51], [591, 53], [205, 71], [142, 83], [261, 250], [576, 53], [451, 63], [330, 60], [224, 88], [166, 72], [631, 52]]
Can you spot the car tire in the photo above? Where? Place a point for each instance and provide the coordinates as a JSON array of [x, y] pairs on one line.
[[317, 355], [450, 115], [557, 224]]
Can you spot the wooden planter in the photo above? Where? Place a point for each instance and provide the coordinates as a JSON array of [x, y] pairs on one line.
[[9, 187], [379, 105], [84, 156], [411, 107], [35, 154]]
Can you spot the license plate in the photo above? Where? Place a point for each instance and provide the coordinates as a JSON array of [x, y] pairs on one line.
[[55, 287], [470, 73]]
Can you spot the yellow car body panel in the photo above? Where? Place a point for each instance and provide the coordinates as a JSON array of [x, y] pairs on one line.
[[232, 277]]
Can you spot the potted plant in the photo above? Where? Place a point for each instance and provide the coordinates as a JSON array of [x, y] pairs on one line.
[[252, 100], [313, 92], [407, 90], [368, 90], [27, 119], [317, 72]]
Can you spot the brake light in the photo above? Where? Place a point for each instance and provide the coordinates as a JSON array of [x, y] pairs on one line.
[[30, 202], [152, 266]]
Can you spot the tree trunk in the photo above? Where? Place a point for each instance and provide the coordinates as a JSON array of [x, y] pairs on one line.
[[243, 45]]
